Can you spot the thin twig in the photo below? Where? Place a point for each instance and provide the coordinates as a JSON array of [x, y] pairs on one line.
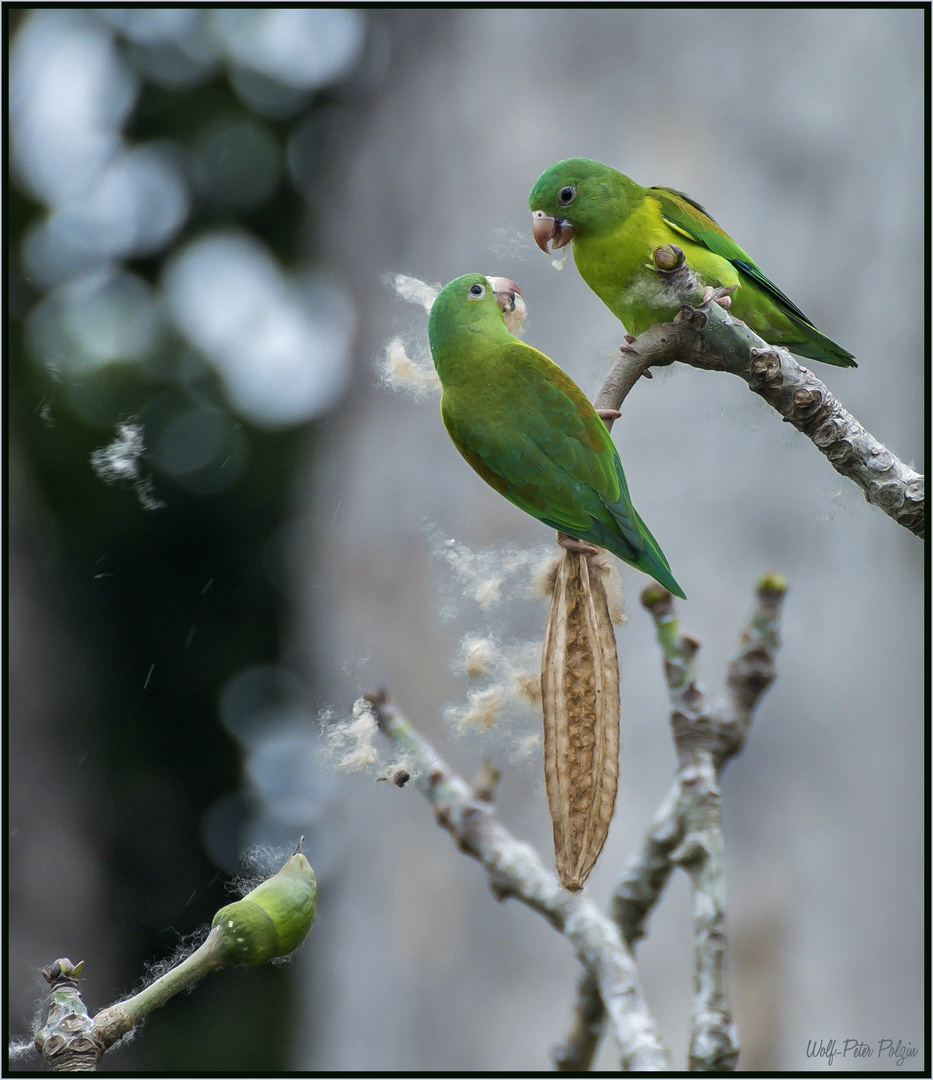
[[705, 738], [71, 1041], [116, 1020], [515, 869]]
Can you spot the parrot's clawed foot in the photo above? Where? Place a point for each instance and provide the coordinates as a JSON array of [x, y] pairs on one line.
[[722, 295], [571, 543], [608, 414]]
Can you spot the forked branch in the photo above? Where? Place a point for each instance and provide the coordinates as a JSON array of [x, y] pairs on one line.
[[686, 830], [515, 869]]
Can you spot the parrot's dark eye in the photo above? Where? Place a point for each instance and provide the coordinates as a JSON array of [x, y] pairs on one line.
[[566, 195], [477, 291]]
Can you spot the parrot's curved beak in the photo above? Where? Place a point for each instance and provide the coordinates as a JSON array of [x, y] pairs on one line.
[[510, 300], [505, 291], [557, 230]]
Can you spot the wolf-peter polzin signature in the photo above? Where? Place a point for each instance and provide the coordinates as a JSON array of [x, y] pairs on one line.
[[883, 1049]]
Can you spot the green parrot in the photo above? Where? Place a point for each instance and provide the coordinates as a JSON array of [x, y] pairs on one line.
[[528, 429], [616, 224]]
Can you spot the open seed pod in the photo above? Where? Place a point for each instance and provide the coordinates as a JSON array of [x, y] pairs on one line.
[[581, 704]]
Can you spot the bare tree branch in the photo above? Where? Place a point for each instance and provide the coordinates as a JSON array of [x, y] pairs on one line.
[[708, 337], [71, 1041], [515, 869]]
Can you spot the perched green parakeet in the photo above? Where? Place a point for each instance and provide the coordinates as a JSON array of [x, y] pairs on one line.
[[616, 225], [528, 429]]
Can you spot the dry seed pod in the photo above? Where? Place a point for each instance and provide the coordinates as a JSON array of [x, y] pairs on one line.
[[273, 919], [580, 699]]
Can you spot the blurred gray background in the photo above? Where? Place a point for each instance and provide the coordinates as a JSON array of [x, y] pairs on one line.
[[215, 274]]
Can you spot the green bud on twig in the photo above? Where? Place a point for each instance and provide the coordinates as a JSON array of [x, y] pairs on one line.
[[772, 582], [273, 919]]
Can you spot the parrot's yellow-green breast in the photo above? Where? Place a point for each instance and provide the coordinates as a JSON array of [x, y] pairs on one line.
[[618, 265]]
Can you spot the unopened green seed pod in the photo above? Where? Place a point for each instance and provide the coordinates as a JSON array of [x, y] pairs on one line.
[[273, 919]]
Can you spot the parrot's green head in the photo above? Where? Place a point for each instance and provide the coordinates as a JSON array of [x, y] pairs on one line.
[[575, 196], [473, 303]]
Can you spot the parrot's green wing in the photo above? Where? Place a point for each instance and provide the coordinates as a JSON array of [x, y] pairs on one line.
[[544, 448], [688, 217]]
